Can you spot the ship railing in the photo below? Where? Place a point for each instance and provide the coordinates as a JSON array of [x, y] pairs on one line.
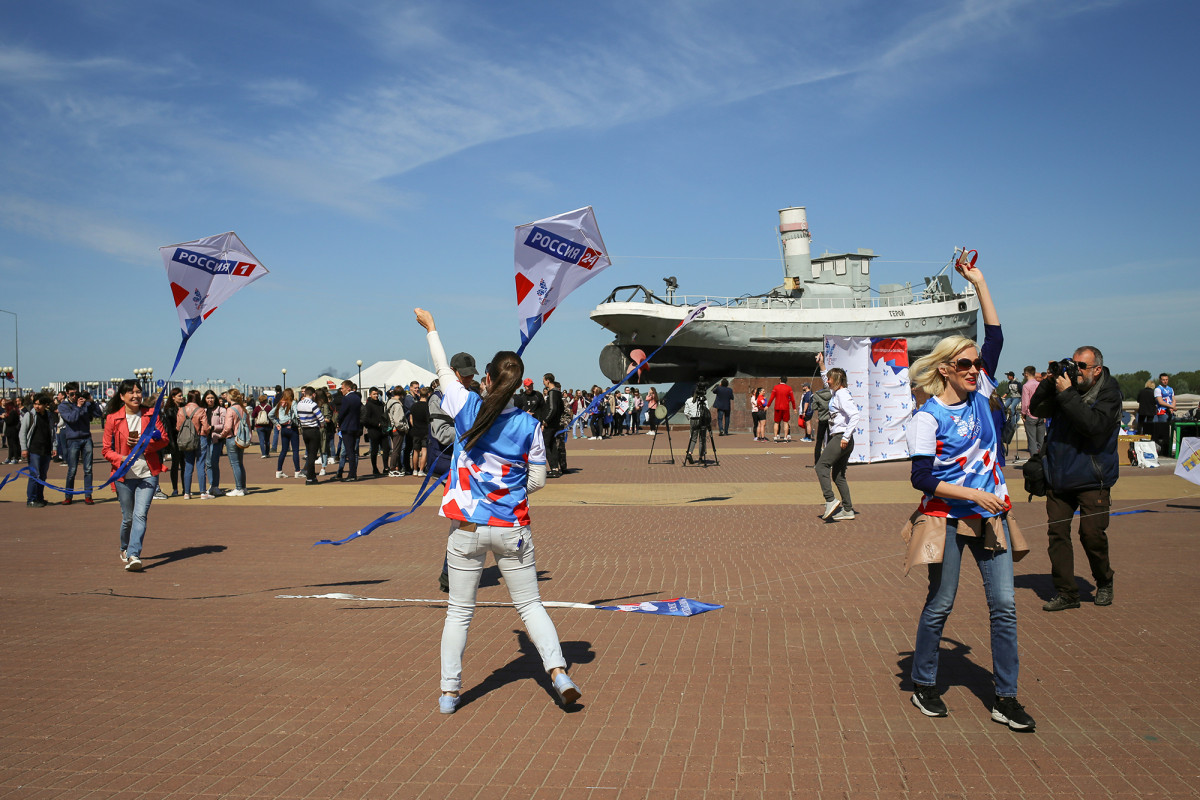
[[630, 294]]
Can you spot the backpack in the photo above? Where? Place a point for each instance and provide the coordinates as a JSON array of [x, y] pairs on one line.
[[262, 420], [218, 422], [1035, 476], [188, 441], [241, 436]]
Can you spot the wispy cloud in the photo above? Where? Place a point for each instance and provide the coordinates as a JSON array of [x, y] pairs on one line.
[[280, 91], [91, 230]]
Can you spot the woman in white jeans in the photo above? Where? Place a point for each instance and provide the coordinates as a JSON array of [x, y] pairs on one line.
[[499, 458]]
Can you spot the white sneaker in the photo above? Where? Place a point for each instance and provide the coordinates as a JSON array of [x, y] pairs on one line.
[[280, 474], [298, 475], [206, 496], [843, 515], [235, 493], [322, 472], [830, 508], [134, 564]]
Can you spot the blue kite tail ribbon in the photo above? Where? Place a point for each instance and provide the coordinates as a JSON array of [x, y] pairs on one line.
[[427, 488]]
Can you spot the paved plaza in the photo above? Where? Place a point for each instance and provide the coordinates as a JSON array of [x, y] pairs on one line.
[[195, 679]]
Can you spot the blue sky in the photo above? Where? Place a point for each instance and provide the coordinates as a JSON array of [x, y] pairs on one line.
[[376, 156]]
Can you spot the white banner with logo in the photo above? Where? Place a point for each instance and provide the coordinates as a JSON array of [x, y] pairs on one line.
[[877, 378]]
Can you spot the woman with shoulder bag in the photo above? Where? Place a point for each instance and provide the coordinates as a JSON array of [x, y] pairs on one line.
[[192, 429], [262, 425], [964, 506], [285, 419], [216, 442], [233, 417]]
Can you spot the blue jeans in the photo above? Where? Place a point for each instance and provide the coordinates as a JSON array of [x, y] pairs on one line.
[[38, 464], [75, 449], [135, 495], [996, 569], [216, 448], [723, 421], [349, 453], [264, 440], [289, 437], [196, 461], [235, 465]]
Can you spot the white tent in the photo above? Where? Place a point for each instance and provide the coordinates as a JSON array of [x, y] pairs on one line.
[[325, 381], [386, 374]]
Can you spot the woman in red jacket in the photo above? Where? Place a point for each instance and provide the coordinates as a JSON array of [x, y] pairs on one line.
[[124, 423]]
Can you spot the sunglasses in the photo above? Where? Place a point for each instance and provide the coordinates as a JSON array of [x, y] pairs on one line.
[[964, 364], [1082, 365]]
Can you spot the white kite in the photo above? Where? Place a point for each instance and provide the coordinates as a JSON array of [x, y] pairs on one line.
[[1188, 465], [205, 273], [554, 257]]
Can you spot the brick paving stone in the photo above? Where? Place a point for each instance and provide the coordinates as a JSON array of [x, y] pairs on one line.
[[192, 680]]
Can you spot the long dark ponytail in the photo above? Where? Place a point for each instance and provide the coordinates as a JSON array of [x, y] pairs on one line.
[[505, 372]]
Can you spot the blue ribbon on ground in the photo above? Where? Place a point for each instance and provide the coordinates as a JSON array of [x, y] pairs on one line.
[[150, 434], [430, 483]]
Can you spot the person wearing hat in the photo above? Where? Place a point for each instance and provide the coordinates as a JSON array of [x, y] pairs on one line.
[[530, 400]]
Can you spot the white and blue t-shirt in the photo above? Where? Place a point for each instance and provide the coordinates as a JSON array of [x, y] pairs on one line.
[[1167, 394], [963, 442], [486, 484]]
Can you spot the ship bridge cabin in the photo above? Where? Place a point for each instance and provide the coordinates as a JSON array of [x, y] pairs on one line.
[[845, 269]]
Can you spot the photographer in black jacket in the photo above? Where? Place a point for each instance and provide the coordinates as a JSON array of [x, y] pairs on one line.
[[1083, 404]]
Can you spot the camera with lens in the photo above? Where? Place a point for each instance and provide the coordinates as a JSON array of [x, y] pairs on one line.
[[1064, 367]]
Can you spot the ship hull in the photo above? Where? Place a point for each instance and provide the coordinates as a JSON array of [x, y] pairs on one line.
[[766, 342]]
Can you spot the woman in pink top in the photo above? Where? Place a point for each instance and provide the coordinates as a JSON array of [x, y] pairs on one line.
[[233, 417], [195, 412]]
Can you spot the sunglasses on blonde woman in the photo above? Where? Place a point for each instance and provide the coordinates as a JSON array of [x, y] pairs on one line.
[[964, 364]]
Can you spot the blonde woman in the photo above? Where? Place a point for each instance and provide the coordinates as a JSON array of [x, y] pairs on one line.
[[955, 447]]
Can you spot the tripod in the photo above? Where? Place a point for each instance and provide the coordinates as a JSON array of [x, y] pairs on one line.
[[662, 422], [703, 431]]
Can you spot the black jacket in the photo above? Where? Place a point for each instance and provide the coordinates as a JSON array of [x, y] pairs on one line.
[[350, 414], [373, 414], [552, 410], [1081, 433]]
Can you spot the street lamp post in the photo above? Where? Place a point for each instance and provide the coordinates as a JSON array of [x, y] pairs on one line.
[[16, 350], [284, 371], [359, 362]]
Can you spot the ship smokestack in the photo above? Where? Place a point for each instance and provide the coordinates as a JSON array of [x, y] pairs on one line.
[[793, 231]]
